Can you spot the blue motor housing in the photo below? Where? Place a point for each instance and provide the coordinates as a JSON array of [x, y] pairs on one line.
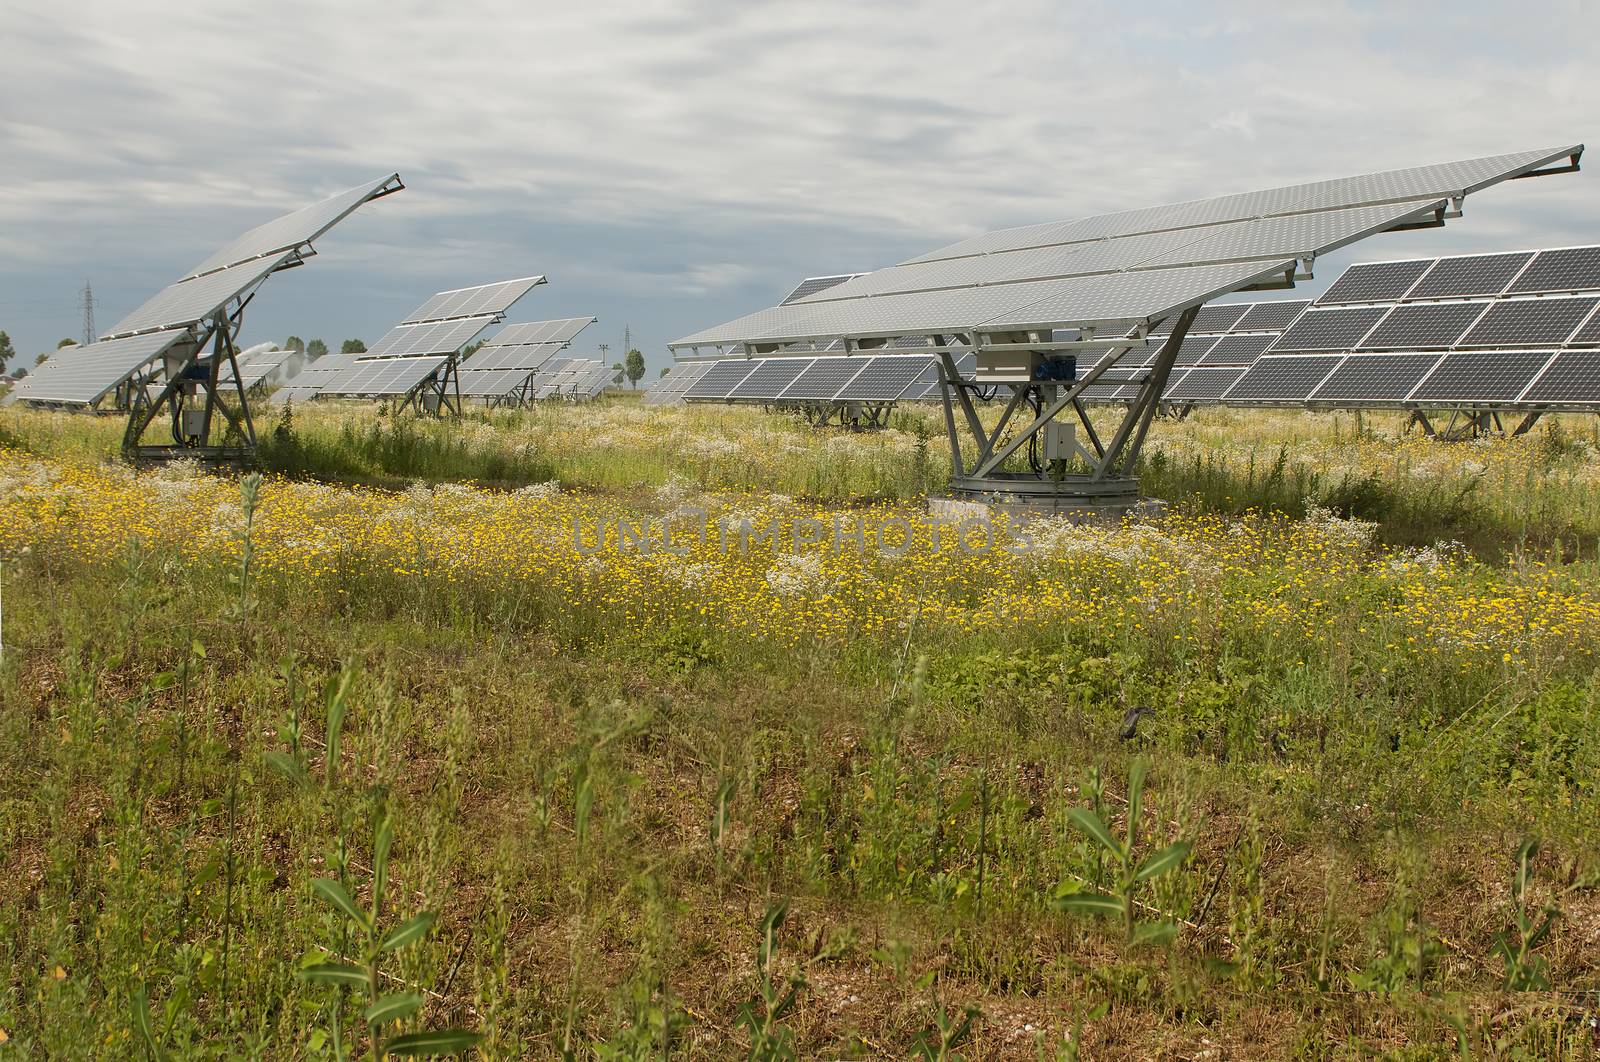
[[1057, 369]]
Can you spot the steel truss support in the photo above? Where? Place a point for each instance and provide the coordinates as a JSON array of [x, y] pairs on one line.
[[209, 415], [1471, 423], [1109, 481], [437, 396]]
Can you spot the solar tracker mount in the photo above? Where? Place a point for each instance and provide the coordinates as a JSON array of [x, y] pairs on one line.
[[1111, 281], [175, 359]]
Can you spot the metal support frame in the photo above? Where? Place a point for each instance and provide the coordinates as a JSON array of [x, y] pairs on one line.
[[1470, 422], [439, 395], [1107, 483], [190, 390]]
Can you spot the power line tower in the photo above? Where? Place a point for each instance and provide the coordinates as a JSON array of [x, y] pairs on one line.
[[89, 335], [627, 339]]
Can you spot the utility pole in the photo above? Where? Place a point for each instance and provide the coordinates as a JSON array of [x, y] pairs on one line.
[[604, 349], [89, 335]]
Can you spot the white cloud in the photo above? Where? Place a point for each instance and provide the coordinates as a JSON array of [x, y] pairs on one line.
[[711, 152]]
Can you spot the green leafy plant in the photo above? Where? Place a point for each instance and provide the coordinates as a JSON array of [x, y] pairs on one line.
[[770, 1040], [1525, 971], [293, 764], [1130, 870], [939, 1043], [376, 942]]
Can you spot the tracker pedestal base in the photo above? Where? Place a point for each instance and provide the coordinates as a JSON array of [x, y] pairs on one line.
[[1110, 498]]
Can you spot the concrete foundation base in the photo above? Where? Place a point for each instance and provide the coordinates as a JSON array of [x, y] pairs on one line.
[[1073, 497]]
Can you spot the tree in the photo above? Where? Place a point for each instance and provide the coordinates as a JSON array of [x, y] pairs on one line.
[[66, 343], [352, 346], [22, 370], [7, 351], [664, 370], [296, 344], [635, 367], [41, 359], [316, 349]]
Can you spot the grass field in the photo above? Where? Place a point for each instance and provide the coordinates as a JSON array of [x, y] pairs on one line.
[[793, 795]]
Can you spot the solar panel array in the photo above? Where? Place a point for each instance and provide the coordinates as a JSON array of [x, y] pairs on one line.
[[575, 379], [314, 377], [478, 301], [1132, 268], [83, 375], [669, 389], [1500, 330], [426, 339], [298, 229], [1224, 340], [383, 377], [878, 378], [503, 365]]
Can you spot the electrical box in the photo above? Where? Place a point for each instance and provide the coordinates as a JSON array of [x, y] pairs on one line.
[[430, 401], [1060, 441], [1025, 366], [193, 423]]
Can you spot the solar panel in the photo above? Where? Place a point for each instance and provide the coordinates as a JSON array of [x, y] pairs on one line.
[[770, 378], [382, 376], [1569, 269], [1443, 180], [524, 356], [1530, 322], [681, 376], [1481, 376], [1219, 317], [189, 302], [541, 382], [1193, 348], [489, 383], [812, 285], [1589, 333], [721, 378], [538, 332], [1339, 329], [1237, 349], [1201, 384], [83, 375], [1375, 282], [1138, 266], [1098, 392], [296, 229], [296, 392], [1468, 275], [824, 379], [483, 299], [1283, 379], [1574, 377], [885, 379], [1375, 378], [1271, 316], [437, 337], [1420, 326]]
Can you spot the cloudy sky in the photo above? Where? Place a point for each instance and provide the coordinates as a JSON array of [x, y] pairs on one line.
[[670, 165]]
